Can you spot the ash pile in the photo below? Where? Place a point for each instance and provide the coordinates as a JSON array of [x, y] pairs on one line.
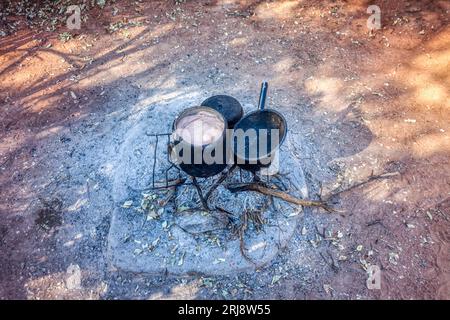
[[169, 231]]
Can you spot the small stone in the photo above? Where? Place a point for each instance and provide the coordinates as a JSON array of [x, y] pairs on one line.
[[393, 258], [73, 280], [328, 289], [304, 231]]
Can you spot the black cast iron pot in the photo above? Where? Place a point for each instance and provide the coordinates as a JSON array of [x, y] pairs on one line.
[[259, 120], [179, 146]]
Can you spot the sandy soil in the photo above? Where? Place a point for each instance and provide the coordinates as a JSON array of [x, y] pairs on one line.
[[367, 104]]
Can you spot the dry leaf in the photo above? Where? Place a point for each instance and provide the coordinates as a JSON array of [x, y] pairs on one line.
[[127, 204], [275, 278]]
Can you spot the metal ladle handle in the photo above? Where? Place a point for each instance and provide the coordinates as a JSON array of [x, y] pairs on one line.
[[262, 95]]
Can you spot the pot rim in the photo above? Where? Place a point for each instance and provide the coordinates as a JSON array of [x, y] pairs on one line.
[[199, 108], [236, 126]]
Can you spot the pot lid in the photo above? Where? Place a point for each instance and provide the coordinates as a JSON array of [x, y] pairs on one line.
[[228, 106]]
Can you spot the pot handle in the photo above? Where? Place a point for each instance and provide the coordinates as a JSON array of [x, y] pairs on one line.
[[262, 95]]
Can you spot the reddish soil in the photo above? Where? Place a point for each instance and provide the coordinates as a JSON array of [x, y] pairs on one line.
[[369, 103]]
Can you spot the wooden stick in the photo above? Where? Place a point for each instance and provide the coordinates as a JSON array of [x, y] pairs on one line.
[[161, 185], [200, 194], [359, 184], [219, 181], [170, 183], [236, 187]]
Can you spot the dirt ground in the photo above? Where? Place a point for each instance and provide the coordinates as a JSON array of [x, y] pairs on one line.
[[367, 104]]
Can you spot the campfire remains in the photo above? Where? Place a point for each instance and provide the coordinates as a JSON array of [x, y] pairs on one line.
[[168, 221]]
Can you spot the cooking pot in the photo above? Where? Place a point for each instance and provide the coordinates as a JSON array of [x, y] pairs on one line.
[[228, 106], [258, 135], [199, 153]]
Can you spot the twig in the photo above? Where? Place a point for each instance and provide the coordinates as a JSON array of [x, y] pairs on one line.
[[371, 178], [255, 217], [219, 181], [241, 232], [195, 209], [276, 193], [283, 186], [168, 198], [196, 233], [200, 193], [230, 217], [169, 183], [162, 185], [330, 262]]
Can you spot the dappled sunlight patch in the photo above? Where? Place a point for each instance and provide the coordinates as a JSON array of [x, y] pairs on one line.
[[400, 130], [436, 62], [34, 103], [54, 284], [440, 41], [64, 285], [283, 65], [166, 92], [164, 97], [430, 144], [432, 94], [330, 92], [161, 30], [276, 10], [357, 7], [169, 83], [324, 86], [107, 75], [430, 75], [185, 291], [11, 142], [232, 2], [240, 41], [286, 73]]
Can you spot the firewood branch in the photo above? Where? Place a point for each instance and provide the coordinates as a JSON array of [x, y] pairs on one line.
[[237, 187]]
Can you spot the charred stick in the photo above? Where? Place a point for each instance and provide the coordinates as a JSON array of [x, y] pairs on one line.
[[229, 213], [162, 185], [219, 181], [168, 197], [170, 183], [200, 193]]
